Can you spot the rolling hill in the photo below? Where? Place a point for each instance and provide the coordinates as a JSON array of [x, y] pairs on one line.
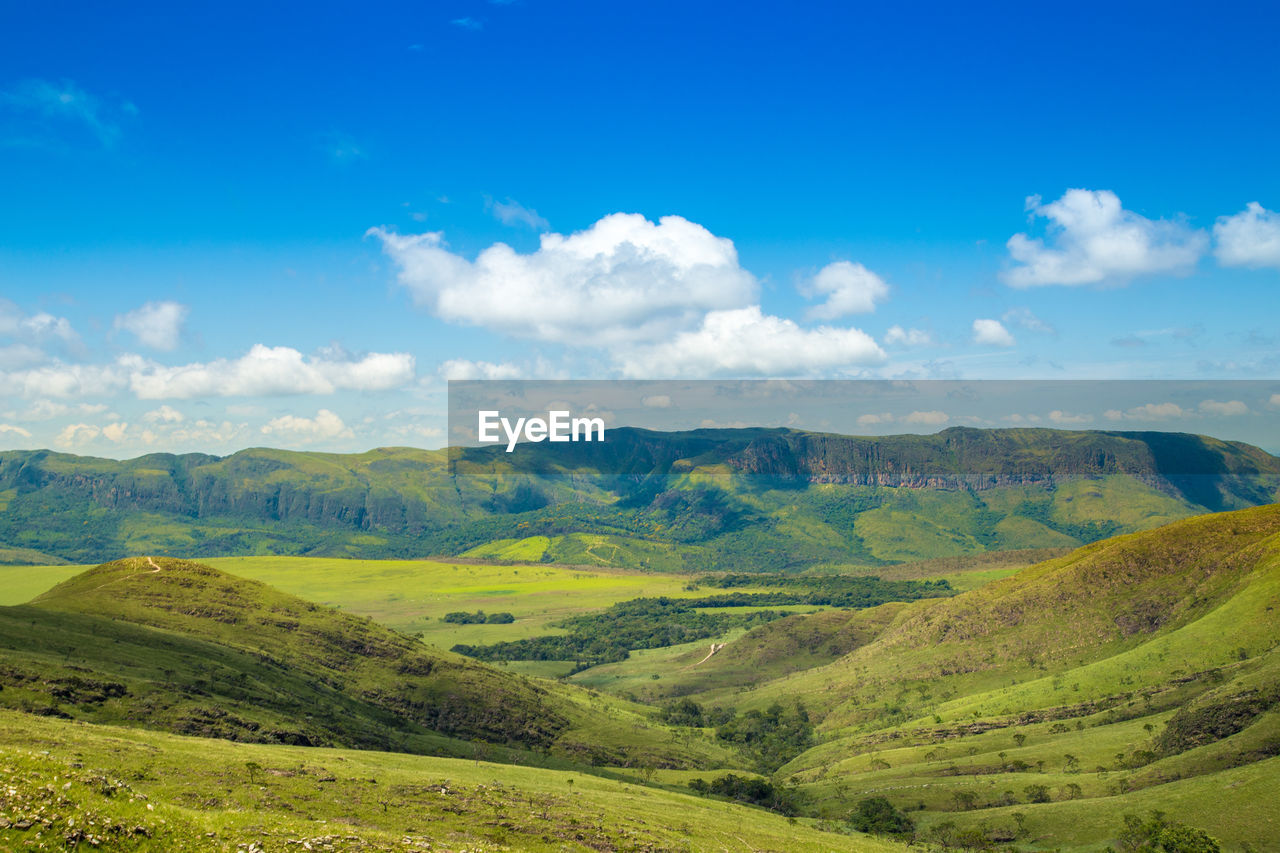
[[1134, 673], [179, 646]]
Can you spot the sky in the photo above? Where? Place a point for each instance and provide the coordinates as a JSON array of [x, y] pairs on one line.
[[290, 224]]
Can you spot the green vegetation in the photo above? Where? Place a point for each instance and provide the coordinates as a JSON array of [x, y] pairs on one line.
[[461, 617], [183, 647], [643, 623], [148, 791], [750, 499]]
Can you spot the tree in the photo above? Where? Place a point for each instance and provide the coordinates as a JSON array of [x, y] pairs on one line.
[[1071, 764], [1019, 738], [1037, 793], [1159, 834], [878, 816]]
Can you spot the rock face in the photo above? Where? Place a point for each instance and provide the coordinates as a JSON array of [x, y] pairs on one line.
[[76, 507]]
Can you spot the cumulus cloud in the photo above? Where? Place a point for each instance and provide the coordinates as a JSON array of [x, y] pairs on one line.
[[747, 342], [325, 425], [165, 414], [61, 381], [992, 333], [1094, 240], [930, 418], [875, 418], [625, 280], [512, 212], [849, 288], [1230, 408], [263, 371], [907, 337], [1148, 412], [270, 371], [1251, 238], [461, 368], [656, 401], [156, 324], [1058, 416], [16, 430], [38, 328], [73, 435]]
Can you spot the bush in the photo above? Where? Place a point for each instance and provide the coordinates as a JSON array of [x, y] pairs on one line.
[[878, 816]]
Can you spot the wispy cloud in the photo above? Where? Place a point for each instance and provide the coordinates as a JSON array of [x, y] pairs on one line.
[[54, 106], [468, 24], [512, 212]]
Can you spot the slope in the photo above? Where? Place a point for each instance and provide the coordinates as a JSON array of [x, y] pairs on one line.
[[180, 646]]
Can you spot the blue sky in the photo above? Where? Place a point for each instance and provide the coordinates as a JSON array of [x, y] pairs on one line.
[[288, 226]]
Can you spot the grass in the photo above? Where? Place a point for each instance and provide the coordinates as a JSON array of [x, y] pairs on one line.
[[186, 794], [411, 596]]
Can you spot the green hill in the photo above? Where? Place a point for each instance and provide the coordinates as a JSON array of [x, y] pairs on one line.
[[182, 647], [704, 499], [1139, 672]]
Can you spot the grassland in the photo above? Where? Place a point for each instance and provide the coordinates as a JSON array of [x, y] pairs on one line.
[[155, 792]]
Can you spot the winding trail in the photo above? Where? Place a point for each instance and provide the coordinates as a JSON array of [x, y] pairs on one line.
[[715, 647]]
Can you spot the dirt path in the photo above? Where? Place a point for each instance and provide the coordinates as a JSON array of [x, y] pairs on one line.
[[715, 647], [152, 563]]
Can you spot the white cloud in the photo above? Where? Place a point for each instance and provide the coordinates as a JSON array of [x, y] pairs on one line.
[[907, 337], [59, 380], [930, 418], [461, 368], [1095, 241], [1275, 400], [874, 419], [44, 325], [1231, 408], [157, 324], [512, 212], [16, 356], [115, 432], [37, 328], [202, 433], [625, 280], [1251, 238], [165, 414], [1024, 319], [270, 371], [1148, 412], [468, 23], [991, 332], [325, 425], [656, 401], [17, 430], [77, 434], [849, 288], [1058, 416], [263, 371], [747, 342]]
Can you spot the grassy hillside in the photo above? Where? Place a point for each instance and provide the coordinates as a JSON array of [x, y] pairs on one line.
[[689, 501], [146, 791], [183, 647], [1139, 672]]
